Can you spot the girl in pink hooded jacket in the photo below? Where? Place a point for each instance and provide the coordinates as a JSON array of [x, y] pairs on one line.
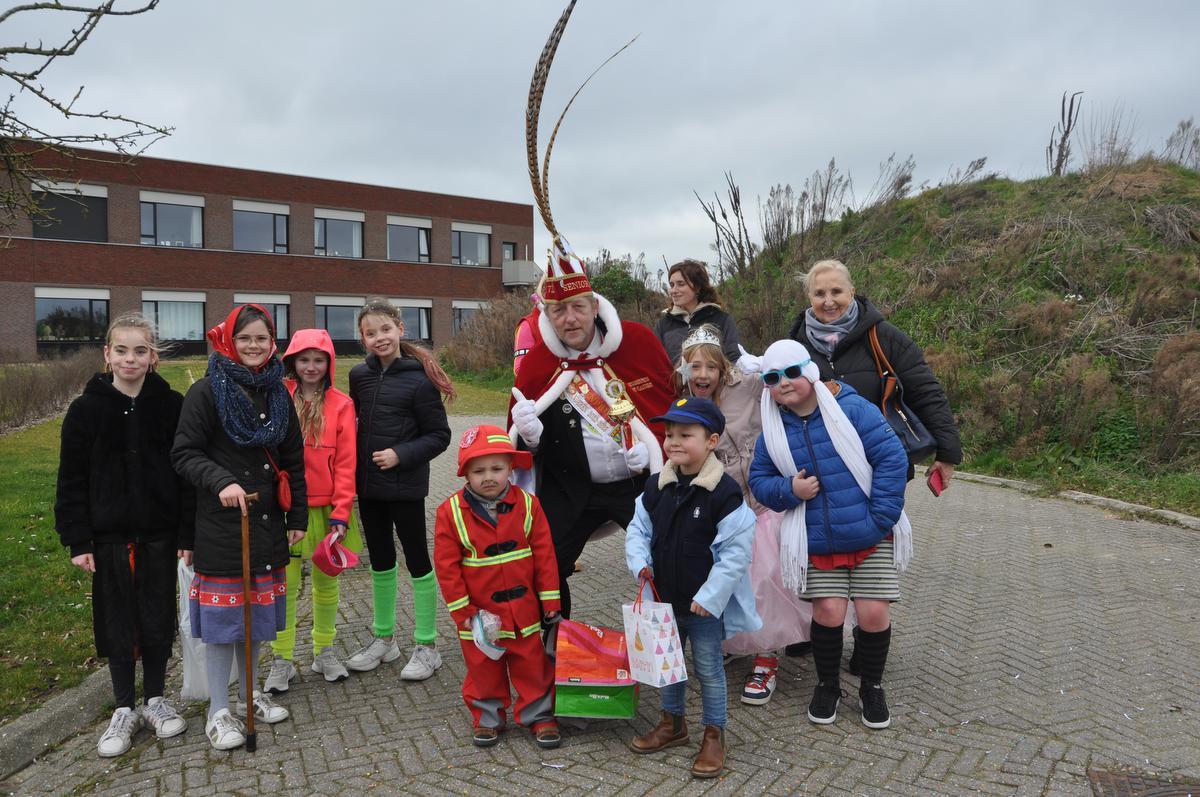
[[327, 422]]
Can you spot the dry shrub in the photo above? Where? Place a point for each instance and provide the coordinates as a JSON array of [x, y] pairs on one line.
[[1045, 322], [1176, 383], [1168, 288], [486, 342], [950, 366], [1083, 393], [1145, 178], [30, 391], [1174, 225]]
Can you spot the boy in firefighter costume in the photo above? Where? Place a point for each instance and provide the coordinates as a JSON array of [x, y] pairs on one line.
[[585, 393], [492, 552]]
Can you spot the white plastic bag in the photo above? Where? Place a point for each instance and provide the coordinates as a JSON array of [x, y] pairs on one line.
[[195, 675]]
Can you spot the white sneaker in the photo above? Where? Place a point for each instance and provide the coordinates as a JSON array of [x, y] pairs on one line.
[[119, 737], [282, 671], [163, 718], [265, 709], [326, 663], [422, 664], [370, 657], [224, 731]]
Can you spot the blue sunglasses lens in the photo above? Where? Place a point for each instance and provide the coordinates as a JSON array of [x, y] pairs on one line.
[[771, 378]]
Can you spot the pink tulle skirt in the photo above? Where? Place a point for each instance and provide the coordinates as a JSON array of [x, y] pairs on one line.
[[785, 617]]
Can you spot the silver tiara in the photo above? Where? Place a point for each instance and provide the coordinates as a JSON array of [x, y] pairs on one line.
[[699, 335]]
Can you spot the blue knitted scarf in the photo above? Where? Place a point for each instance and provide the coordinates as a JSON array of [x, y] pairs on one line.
[[237, 413]]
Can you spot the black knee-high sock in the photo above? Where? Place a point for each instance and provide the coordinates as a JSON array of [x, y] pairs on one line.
[[121, 673], [872, 651], [827, 651], [154, 670]]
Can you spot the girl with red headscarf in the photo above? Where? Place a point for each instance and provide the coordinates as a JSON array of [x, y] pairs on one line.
[[238, 434]]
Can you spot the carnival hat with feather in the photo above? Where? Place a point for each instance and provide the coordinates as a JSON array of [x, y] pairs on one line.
[[566, 276]]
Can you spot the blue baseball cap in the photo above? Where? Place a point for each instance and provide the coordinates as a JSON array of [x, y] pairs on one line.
[[695, 410]]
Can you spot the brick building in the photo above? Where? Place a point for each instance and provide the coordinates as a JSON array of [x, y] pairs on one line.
[[185, 241]]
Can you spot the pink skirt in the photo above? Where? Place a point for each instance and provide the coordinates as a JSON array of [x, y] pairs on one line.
[[786, 618]]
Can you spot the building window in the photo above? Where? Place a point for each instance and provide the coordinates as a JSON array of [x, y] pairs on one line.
[[338, 233], [65, 318], [469, 248], [406, 243], [464, 311], [254, 231], [164, 224], [72, 213], [177, 319], [338, 321], [508, 251], [416, 322]]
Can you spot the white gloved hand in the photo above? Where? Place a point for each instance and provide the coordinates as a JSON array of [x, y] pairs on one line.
[[638, 457], [749, 363], [529, 426]]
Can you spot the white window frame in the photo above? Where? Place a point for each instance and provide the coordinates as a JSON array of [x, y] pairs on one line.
[[251, 206], [163, 198], [72, 293], [76, 189], [463, 226]]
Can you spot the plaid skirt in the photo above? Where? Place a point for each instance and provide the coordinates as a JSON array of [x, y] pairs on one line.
[[215, 607]]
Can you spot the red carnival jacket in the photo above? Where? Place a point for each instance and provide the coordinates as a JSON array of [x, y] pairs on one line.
[[508, 569]]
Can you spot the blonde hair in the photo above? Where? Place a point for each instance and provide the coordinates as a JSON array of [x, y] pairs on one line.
[[311, 414], [714, 353], [380, 306], [820, 267], [136, 320]]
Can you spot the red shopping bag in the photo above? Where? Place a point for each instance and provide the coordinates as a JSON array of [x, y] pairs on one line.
[[591, 673]]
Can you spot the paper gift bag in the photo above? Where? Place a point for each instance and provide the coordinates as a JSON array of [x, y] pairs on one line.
[[652, 636], [591, 673]]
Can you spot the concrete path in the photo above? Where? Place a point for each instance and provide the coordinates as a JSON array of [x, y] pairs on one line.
[[1041, 648]]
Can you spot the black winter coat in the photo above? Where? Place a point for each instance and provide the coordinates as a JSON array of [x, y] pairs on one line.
[[851, 362], [208, 458], [671, 329], [115, 480], [398, 407]]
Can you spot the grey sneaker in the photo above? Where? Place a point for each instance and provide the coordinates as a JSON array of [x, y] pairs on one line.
[[375, 653], [163, 718], [326, 663], [119, 737], [265, 709], [282, 671], [422, 664]]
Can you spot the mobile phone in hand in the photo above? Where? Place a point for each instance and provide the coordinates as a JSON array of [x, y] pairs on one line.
[[935, 482]]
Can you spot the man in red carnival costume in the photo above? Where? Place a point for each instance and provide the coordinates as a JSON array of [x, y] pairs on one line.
[[590, 468]]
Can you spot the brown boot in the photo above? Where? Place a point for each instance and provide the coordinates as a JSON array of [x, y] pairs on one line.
[[711, 759], [669, 732]]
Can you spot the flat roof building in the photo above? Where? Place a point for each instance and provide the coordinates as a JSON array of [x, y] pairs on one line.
[[184, 242]]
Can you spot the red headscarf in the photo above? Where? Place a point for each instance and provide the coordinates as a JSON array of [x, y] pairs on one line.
[[221, 336]]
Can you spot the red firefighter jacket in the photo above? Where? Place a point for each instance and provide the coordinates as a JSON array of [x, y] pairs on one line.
[[508, 569]]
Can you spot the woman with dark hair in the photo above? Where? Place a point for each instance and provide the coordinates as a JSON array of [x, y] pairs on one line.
[[694, 302]]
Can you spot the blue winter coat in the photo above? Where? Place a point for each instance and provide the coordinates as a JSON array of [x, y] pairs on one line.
[[841, 519], [726, 591]]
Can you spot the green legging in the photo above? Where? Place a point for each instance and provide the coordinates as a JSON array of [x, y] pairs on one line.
[[383, 593], [325, 607]]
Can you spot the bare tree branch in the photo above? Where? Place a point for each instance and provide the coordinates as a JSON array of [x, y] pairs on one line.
[[24, 144]]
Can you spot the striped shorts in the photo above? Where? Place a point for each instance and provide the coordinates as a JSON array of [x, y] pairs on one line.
[[874, 578]]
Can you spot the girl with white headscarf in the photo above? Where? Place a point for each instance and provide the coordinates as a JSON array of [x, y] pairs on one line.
[[830, 462]]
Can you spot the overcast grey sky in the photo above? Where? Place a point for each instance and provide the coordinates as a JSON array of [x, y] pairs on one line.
[[431, 96]]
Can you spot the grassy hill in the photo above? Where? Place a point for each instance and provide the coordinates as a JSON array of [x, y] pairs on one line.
[[1061, 314]]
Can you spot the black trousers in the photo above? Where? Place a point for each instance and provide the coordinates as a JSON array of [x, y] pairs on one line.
[[408, 519]]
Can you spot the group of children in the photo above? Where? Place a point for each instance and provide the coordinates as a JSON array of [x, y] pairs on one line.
[[807, 477]]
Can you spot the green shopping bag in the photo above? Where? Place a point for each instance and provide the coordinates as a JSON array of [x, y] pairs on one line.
[[591, 673]]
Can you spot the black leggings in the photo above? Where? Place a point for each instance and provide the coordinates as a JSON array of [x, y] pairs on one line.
[[154, 676], [408, 518]]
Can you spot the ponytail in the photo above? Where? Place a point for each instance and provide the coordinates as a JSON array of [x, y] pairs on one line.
[[440, 379]]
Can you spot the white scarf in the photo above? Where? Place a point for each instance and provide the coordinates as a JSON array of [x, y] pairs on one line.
[[793, 542]]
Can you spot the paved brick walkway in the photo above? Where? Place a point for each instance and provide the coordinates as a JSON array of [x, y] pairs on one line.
[[1037, 640]]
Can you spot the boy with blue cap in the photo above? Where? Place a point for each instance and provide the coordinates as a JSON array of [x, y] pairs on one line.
[[692, 533]]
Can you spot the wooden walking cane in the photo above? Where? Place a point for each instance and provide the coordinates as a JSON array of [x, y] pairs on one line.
[[248, 676]]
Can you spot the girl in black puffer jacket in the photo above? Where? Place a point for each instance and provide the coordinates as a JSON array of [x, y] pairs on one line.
[[402, 426], [119, 509], [238, 425]]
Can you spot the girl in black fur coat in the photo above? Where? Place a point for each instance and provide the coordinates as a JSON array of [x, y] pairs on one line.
[[120, 508]]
